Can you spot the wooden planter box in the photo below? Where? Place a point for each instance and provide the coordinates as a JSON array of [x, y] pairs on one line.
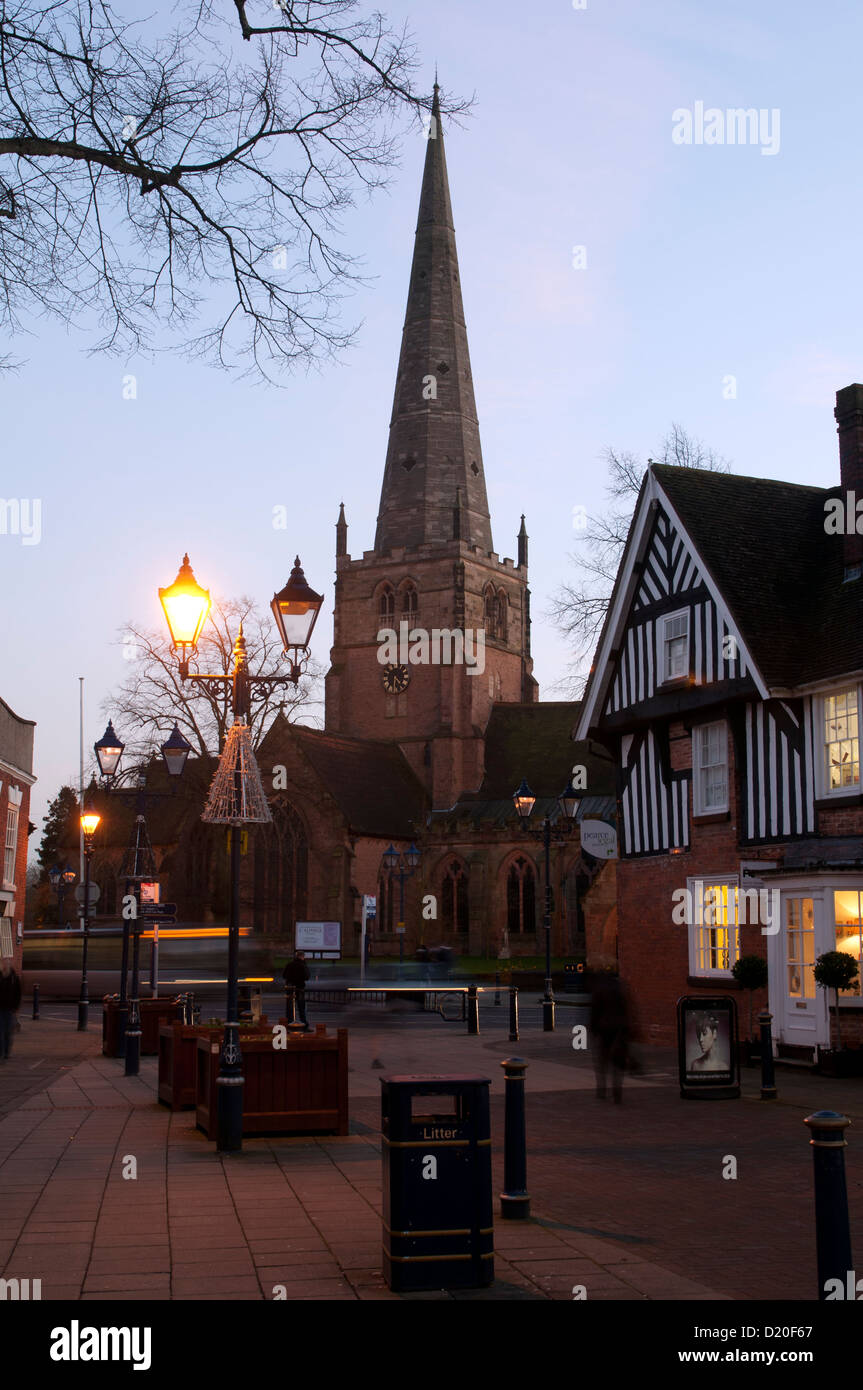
[[299, 1089], [840, 1062], [178, 1044], [154, 1013]]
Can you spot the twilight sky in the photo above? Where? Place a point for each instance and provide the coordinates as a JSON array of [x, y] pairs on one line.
[[703, 262]]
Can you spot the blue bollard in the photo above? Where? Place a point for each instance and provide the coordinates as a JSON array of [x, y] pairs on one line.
[[513, 1013], [514, 1200], [35, 1001], [472, 1011], [768, 1079], [832, 1232]]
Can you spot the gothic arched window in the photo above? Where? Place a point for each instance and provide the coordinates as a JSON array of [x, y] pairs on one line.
[[455, 912], [281, 871], [502, 607], [409, 601], [521, 897], [491, 613], [387, 605]]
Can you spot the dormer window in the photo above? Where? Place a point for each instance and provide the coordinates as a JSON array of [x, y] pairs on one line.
[[840, 725], [673, 652]]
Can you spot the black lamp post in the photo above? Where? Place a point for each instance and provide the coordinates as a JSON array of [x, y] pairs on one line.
[[60, 879], [295, 609], [109, 751], [401, 866], [89, 824], [548, 830]]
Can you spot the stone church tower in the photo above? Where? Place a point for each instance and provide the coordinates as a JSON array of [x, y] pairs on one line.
[[433, 566]]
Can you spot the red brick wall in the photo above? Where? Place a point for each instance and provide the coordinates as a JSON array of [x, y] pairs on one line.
[[20, 858]]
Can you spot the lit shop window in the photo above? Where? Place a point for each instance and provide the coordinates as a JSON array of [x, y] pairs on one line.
[[714, 925], [847, 903]]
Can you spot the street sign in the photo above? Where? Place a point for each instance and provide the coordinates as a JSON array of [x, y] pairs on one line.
[[95, 890], [160, 910], [599, 839]]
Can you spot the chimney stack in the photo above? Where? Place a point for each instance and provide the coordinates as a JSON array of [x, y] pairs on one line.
[[849, 419]]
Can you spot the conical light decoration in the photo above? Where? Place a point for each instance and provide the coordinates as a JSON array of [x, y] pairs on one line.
[[236, 792]]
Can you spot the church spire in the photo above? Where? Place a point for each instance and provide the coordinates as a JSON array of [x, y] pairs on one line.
[[434, 447]]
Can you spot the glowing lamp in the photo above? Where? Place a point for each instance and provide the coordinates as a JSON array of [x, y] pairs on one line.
[[109, 751], [185, 606], [524, 800], [175, 750]]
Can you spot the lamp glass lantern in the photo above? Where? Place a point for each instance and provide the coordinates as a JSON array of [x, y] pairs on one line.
[[391, 859], [109, 751], [175, 750], [90, 823], [68, 875], [54, 877], [295, 609], [185, 605], [412, 858], [569, 801], [524, 800]]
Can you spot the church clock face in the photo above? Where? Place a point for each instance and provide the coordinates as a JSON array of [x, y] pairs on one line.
[[396, 678]]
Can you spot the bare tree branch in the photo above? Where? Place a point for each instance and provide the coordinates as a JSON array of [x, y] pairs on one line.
[[149, 174], [152, 697], [578, 608]]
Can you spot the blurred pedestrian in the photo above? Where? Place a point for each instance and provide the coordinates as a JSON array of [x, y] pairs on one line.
[[611, 1028], [10, 1002], [296, 973]]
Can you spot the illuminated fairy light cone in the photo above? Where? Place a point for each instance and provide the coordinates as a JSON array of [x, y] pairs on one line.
[[237, 799]]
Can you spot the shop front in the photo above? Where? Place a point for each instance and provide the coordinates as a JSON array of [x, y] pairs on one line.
[[818, 913]]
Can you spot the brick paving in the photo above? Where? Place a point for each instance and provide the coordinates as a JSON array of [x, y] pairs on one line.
[[627, 1200]]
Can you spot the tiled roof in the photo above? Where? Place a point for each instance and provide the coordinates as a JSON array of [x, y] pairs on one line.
[[372, 782], [781, 574], [534, 741]]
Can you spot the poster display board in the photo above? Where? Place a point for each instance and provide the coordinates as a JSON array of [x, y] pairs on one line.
[[319, 939], [707, 1047]]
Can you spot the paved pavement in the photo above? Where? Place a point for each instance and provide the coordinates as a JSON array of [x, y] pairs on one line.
[[628, 1201]]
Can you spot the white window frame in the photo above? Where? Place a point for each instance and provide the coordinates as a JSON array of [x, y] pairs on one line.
[[10, 844], [696, 969], [662, 645], [699, 808], [825, 791]]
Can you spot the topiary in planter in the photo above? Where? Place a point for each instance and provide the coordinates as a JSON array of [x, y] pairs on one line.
[[750, 972], [835, 970]]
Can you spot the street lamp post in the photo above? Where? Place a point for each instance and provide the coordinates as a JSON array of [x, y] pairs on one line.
[[402, 867], [548, 830], [295, 610], [89, 823], [59, 880], [109, 751]]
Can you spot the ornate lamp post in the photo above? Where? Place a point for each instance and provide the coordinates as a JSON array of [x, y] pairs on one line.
[[141, 865], [89, 824], [236, 796], [401, 866], [557, 830], [60, 879]]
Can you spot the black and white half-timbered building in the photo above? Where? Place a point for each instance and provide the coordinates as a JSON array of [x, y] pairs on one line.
[[727, 685]]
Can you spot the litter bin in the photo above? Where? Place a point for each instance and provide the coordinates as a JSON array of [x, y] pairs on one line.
[[437, 1195], [571, 978]]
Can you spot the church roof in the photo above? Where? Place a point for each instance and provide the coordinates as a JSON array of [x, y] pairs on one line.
[[534, 741], [372, 782], [434, 486], [764, 543]]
